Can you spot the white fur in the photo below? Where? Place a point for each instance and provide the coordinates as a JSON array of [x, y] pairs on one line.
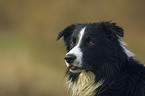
[[128, 53], [77, 50], [85, 85]]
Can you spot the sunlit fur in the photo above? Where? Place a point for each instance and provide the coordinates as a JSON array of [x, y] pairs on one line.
[[129, 53], [85, 85], [107, 67]]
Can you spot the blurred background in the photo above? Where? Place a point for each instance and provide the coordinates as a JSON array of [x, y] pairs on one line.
[[32, 61]]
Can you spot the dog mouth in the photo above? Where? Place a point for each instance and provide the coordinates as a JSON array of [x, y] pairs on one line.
[[72, 67], [75, 69]]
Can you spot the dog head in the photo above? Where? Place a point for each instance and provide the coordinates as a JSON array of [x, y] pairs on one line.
[[91, 46]]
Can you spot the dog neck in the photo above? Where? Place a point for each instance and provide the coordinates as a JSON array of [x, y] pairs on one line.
[[85, 85]]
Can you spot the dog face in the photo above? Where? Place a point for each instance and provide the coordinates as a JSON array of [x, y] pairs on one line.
[[91, 46]]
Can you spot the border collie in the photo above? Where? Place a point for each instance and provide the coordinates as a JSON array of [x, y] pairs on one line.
[[98, 64]]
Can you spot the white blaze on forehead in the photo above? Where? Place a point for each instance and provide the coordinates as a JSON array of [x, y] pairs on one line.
[[77, 50], [81, 35]]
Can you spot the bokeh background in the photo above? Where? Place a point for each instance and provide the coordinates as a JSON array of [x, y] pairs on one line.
[[31, 60]]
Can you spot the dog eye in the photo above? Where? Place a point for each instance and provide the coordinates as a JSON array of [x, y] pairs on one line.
[[72, 44], [73, 41], [91, 43]]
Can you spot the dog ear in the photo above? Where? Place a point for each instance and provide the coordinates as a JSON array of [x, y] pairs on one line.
[[66, 32], [112, 30]]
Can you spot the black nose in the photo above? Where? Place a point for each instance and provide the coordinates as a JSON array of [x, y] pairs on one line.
[[70, 58]]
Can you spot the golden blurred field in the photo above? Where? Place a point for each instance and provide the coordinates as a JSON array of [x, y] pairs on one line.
[[31, 60]]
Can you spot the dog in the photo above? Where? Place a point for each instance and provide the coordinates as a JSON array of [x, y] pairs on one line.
[[98, 64]]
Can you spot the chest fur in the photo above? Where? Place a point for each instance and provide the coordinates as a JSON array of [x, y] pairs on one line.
[[85, 85]]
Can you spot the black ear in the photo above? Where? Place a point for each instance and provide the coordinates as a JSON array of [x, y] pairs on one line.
[[66, 32], [112, 30]]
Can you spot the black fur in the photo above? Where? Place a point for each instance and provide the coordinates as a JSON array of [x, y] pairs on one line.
[[122, 75]]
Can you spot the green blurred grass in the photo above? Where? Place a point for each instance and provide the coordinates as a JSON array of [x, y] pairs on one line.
[[23, 72]]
